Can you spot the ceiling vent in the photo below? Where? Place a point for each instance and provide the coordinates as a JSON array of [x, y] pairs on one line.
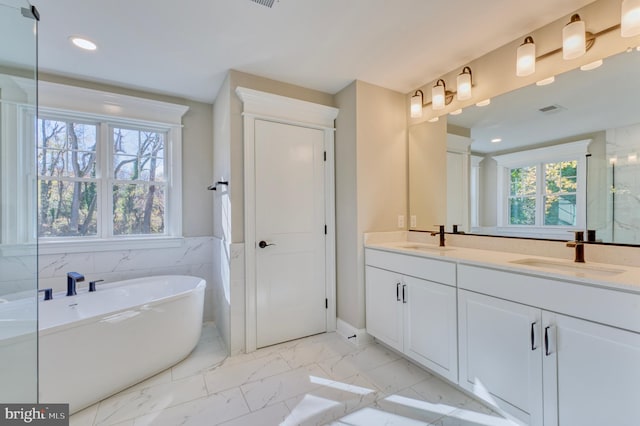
[[552, 109], [268, 3]]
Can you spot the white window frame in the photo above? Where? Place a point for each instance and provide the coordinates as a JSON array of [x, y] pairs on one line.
[[537, 157], [110, 110]]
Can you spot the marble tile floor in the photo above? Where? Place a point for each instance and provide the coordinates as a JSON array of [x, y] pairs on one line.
[[317, 380]]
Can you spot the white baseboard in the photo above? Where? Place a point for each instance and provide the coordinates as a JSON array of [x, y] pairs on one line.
[[357, 336]]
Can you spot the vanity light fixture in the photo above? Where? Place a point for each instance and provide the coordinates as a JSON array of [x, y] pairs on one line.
[[465, 82], [484, 102], [438, 93], [591, 66], [630, 21], [574, 40], [416, 104], [526, 58], [83, 43]]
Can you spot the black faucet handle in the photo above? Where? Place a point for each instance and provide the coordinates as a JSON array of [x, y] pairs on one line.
[[48, 293], [579, 235], [92, 284]]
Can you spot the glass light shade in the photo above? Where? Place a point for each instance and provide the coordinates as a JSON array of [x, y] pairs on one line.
[[437, 96], [416, 106], [526, 58], [464, 86], [630, 21], [574, 42]]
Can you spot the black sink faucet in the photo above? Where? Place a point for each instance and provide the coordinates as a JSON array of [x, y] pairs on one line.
[[441, 233], [578, 243], [72, 279]]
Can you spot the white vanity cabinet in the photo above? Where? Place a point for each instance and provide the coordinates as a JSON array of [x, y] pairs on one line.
[[501, 353], [411, 306], [537, 360]]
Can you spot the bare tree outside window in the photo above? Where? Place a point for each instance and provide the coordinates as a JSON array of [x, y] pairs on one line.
[[139, 185], [70, 190], [67, 178]]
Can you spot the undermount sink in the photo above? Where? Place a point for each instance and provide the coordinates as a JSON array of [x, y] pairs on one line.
[[424, 247], [567, 266]]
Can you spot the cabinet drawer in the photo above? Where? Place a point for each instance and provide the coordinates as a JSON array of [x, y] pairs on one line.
[[415, 266], [607, 306]]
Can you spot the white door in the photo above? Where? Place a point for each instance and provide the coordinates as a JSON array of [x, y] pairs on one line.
[[430, 325], [383, 294], [591, 373], [501, 353], [290, 232]]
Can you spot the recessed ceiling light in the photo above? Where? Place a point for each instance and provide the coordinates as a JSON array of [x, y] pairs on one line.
[[484, 103], [83, 43], [496, 140], [546, 81]]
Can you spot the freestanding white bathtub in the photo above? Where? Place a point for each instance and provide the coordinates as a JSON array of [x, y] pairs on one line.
[[98, 343]]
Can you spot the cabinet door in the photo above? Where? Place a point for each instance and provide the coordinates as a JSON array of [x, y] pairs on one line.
[[430, 336], [501, 354], [591, 373], [384, 306]]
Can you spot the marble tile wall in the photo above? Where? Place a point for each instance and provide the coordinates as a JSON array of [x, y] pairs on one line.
[[228, 286], [193, 257]]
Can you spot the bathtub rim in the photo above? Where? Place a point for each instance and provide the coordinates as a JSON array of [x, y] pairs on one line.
[[200, 287]]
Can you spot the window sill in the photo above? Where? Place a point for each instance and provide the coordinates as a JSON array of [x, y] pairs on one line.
[[115, 244]]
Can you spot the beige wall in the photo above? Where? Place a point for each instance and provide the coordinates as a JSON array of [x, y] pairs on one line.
[[197, 151], [371, 180], [428, 179]]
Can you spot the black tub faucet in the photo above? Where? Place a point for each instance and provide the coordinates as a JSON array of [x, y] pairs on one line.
[[72, 279], [439, 232]]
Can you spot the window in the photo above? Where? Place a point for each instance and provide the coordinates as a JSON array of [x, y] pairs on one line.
[[543, 188], [72, 194], [107, 176], [554, 200]]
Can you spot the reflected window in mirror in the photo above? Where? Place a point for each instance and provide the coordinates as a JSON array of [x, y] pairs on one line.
[[540, 192]]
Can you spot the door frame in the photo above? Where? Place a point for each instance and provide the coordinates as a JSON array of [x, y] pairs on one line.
[[259, 105]]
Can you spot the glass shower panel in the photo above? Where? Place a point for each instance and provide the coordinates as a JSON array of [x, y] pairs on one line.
[[18, 244]]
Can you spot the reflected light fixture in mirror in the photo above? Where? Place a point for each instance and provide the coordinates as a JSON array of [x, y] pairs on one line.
[[630, 25], [526, 58], [416, 104], [83, 43], [574, 41], [456, 112], [438, 94], [465, 82], [546, 81], [591, 66]]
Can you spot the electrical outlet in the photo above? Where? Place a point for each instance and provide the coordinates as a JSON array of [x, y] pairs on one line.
[[414, 221], [400, 221]]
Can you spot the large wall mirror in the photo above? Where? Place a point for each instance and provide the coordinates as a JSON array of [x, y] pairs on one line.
[[545, 160]]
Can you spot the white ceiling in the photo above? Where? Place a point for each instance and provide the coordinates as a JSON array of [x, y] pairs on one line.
[[185, 48]]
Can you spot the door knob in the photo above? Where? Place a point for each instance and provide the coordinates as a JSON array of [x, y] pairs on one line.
[[263, 244]]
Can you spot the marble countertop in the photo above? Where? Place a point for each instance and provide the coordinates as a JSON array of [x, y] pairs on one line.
[[622, 278]]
